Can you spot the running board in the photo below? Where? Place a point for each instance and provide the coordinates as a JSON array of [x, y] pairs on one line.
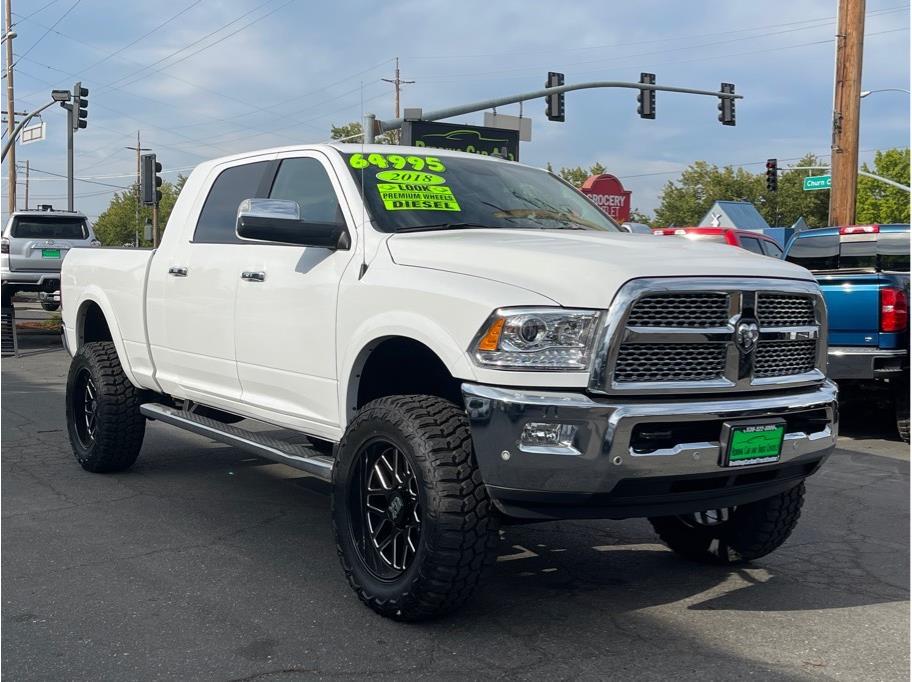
[[297, 456]]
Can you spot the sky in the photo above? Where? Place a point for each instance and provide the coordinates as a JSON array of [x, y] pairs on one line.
[[206, 78]]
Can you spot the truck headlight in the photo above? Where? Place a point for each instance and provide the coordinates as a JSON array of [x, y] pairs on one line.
[[536, 339]]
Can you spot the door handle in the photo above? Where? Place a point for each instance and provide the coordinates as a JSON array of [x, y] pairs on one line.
[[249, 276], [177, 271]]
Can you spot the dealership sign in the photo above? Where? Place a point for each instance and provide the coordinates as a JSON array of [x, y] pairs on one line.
[[473, 139], [609, 195]]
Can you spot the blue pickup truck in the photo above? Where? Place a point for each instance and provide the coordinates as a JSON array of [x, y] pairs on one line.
[[864, 273]]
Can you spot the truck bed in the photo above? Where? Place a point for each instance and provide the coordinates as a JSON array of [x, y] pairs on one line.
[[115, 278]]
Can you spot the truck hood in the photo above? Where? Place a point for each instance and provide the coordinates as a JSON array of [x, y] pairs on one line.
[[577, 268]]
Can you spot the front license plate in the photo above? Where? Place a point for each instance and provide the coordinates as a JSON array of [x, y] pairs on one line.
[[757, 443], [50, 253]]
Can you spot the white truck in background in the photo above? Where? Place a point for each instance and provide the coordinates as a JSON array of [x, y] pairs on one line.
[[465, 341]]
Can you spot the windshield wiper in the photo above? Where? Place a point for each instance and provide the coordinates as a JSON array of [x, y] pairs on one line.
[[444, 226]]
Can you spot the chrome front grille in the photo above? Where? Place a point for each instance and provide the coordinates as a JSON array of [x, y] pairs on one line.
[[785, 310], [680, 310], [784, 358], [669, 362], [690, 335]]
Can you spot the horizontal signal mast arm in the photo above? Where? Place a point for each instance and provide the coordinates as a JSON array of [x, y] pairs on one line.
[[440, 114]]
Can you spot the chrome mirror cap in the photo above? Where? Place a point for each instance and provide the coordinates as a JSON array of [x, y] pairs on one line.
[[275, 209]]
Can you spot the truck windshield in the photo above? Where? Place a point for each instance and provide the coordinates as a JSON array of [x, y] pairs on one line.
[[887, 251], [412, 193], [49, 227]]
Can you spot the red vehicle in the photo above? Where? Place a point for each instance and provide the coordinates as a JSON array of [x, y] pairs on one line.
[[746, 239]]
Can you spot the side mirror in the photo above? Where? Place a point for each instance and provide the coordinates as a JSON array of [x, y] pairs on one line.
[[279, 221]]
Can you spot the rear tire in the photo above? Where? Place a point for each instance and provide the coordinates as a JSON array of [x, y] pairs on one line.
[[50, 307], [733, 535], [406, 470], [901, 402], [102, 409]]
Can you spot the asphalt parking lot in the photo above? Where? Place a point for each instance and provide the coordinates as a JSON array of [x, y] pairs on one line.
[[205, 563]]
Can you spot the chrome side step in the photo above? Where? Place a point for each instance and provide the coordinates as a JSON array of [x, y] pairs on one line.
[[297, 456]]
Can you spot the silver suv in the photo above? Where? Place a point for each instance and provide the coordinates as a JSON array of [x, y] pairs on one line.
[[32, 250]]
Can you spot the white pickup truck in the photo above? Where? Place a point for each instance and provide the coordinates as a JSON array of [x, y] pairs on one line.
[[464, 341]]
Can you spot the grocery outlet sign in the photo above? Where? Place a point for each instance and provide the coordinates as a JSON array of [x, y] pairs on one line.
[[609, 195]]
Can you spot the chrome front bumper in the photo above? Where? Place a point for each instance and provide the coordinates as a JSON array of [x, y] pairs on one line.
[[601, 462]]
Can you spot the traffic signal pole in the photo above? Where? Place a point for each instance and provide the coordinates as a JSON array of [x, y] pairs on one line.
[[373, 127], [70, 165]]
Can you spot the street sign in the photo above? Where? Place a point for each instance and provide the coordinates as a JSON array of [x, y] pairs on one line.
[[34, 133], [816, 182], [520, 123], [609, 195], [464, 138]]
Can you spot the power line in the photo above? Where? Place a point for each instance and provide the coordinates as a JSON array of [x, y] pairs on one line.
[[43, 35], [142, 37], [606, 60], [828, 19], [93, 182], [39, 10], [197, 41]]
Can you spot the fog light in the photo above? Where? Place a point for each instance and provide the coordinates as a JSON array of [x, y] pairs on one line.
[[550, 438]]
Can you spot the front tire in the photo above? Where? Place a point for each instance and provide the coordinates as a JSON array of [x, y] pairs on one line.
[[102, 409], [901, 404], [413, 523], [733, 535], [50, 307]]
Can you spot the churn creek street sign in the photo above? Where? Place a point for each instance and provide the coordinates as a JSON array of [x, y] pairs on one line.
[[816, 182]]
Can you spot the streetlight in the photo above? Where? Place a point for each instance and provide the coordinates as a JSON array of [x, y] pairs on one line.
[[56, 96], [865, 93]]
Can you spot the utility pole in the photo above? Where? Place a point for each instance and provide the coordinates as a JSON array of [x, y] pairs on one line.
[[26, 185], [10, 108], [397, 84], [139, 150], [846, 110]]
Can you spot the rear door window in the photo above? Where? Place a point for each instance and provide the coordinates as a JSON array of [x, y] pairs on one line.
[[217, 220], [49, 227], [752, 244]]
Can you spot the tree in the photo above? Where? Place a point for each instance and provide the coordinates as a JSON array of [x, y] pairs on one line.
[[685, 201], [877, 201], [351, 132], [117, 225], [577, 176]]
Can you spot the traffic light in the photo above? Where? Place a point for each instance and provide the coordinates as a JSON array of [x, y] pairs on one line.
[[647, 98], [150, 180], [80, 102], [772, 175], [554, 104], [727, 105]]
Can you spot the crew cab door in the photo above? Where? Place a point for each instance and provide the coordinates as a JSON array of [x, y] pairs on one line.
[[285, 311], [192, 288]]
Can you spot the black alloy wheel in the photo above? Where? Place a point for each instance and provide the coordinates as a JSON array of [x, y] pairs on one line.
[[386, 528], [85, 408]]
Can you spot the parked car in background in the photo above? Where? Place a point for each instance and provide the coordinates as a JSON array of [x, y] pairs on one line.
[[746, 239], [636, 228], [863, 271], [33, 247]]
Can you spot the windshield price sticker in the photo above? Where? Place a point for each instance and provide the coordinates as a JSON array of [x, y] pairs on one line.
[[396, 161], [402, 197]]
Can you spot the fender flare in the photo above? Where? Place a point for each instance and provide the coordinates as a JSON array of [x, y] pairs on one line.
[[403, 324], [94, 295]]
